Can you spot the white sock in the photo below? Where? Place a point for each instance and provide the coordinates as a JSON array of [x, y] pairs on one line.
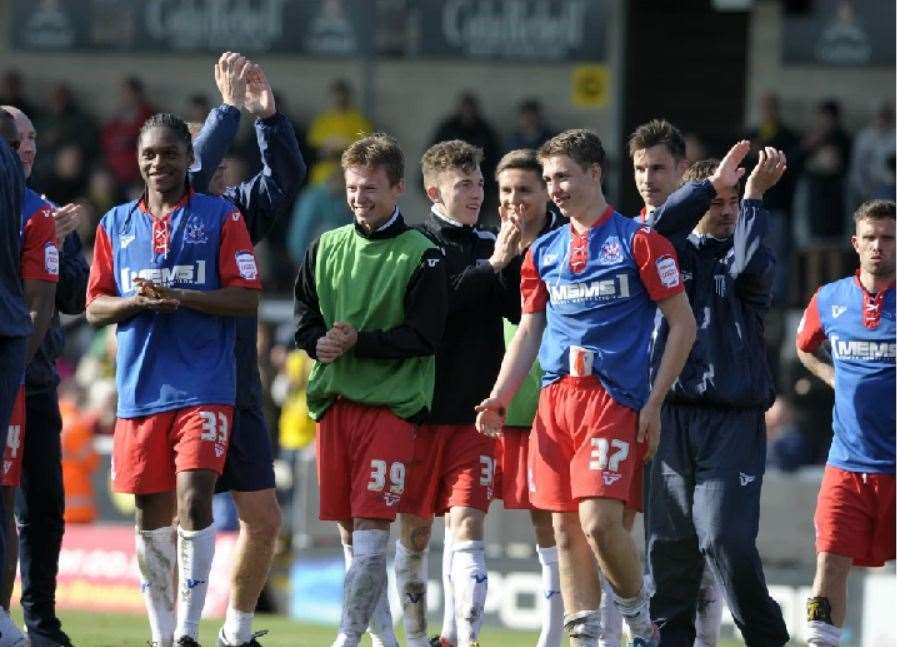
[[471, 583], [822, 634], [709, 614], [237, 627], [365, 581], [449, 628], [411, 580], [552, 603], [611, 621], [381, 627], [583, 628], [195, 551], [156, 555], [637, 614]]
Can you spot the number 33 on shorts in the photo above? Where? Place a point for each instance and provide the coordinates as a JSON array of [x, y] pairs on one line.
[[215, 429]]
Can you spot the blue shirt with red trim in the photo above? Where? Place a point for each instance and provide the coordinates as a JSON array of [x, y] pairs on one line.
[[168, 361], [598, 290], [861, 330]]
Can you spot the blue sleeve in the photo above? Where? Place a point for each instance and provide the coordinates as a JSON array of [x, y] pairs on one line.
[[753, 264], [269, 193], [677, 217], [71, 290], [212, 143]]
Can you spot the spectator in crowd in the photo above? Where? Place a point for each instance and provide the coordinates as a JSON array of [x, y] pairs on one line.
[[468, 124], [826, 154], [788, 446], [334, 129], [119, 135], [695, 150], [870, 173], [772, 131], [198, 107], [319, 208], [68, 180], [64, 124], [12, 93], [532, 130]]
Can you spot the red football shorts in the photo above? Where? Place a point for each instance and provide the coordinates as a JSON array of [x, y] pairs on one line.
[[511, 468], [363, 458], [855, 516], [583, 445], [454, 466], [15, 443], [148, 452]]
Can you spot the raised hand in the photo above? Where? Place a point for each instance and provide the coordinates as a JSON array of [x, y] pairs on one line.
[[259, 97], [66, 220], [507, 243], [230, 78], [729, 173], [771, 165]]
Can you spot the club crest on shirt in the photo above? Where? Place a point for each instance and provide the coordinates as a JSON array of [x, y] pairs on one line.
[[611, 251], [196, 232]]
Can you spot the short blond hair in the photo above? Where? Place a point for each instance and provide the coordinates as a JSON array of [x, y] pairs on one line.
[[448, 155], [377, 150]]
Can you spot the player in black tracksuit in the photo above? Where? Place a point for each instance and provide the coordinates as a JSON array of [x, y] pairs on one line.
[[703, 494]]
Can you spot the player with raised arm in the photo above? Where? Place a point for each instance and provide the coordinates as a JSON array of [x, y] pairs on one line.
[[522, 193], [590, 292], [854, 518], [370, 308], [262, 199], [454, 465], [172, 270], [703, 500]]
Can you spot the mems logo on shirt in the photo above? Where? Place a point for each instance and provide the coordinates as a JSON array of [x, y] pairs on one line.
[[858, 349], [165, 276], [603, 289]]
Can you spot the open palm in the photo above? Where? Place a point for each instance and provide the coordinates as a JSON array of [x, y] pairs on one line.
[[259, 98]]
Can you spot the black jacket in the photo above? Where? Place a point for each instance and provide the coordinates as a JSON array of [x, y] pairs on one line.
[[728, 283], [472, 347]]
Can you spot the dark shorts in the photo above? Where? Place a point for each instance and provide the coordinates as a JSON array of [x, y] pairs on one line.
[[250, 457]]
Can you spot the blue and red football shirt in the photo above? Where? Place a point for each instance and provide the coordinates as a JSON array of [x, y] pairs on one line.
[[861, 330], [598, 290], [168, 361], [40, 255]]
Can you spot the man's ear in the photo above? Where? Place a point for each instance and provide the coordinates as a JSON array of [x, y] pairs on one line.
[[597, 173], [434, 195], [681, 166]]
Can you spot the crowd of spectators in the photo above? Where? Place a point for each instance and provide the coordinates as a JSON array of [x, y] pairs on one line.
[[90, 159]]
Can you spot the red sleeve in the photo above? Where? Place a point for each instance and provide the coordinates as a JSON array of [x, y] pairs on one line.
[[658, 266], [810, 333], [236, 257], [533, 293], [40, 256], [102, 274]]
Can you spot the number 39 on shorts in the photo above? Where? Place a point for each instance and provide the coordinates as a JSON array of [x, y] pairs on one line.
[[378, 477]]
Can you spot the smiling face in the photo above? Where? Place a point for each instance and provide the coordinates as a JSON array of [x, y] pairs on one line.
[[163, 159], [524, 193], [572, 188], [459, 193], [371, 196]]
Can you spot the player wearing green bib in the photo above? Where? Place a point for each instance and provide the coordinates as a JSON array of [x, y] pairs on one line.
[[371, 301]]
